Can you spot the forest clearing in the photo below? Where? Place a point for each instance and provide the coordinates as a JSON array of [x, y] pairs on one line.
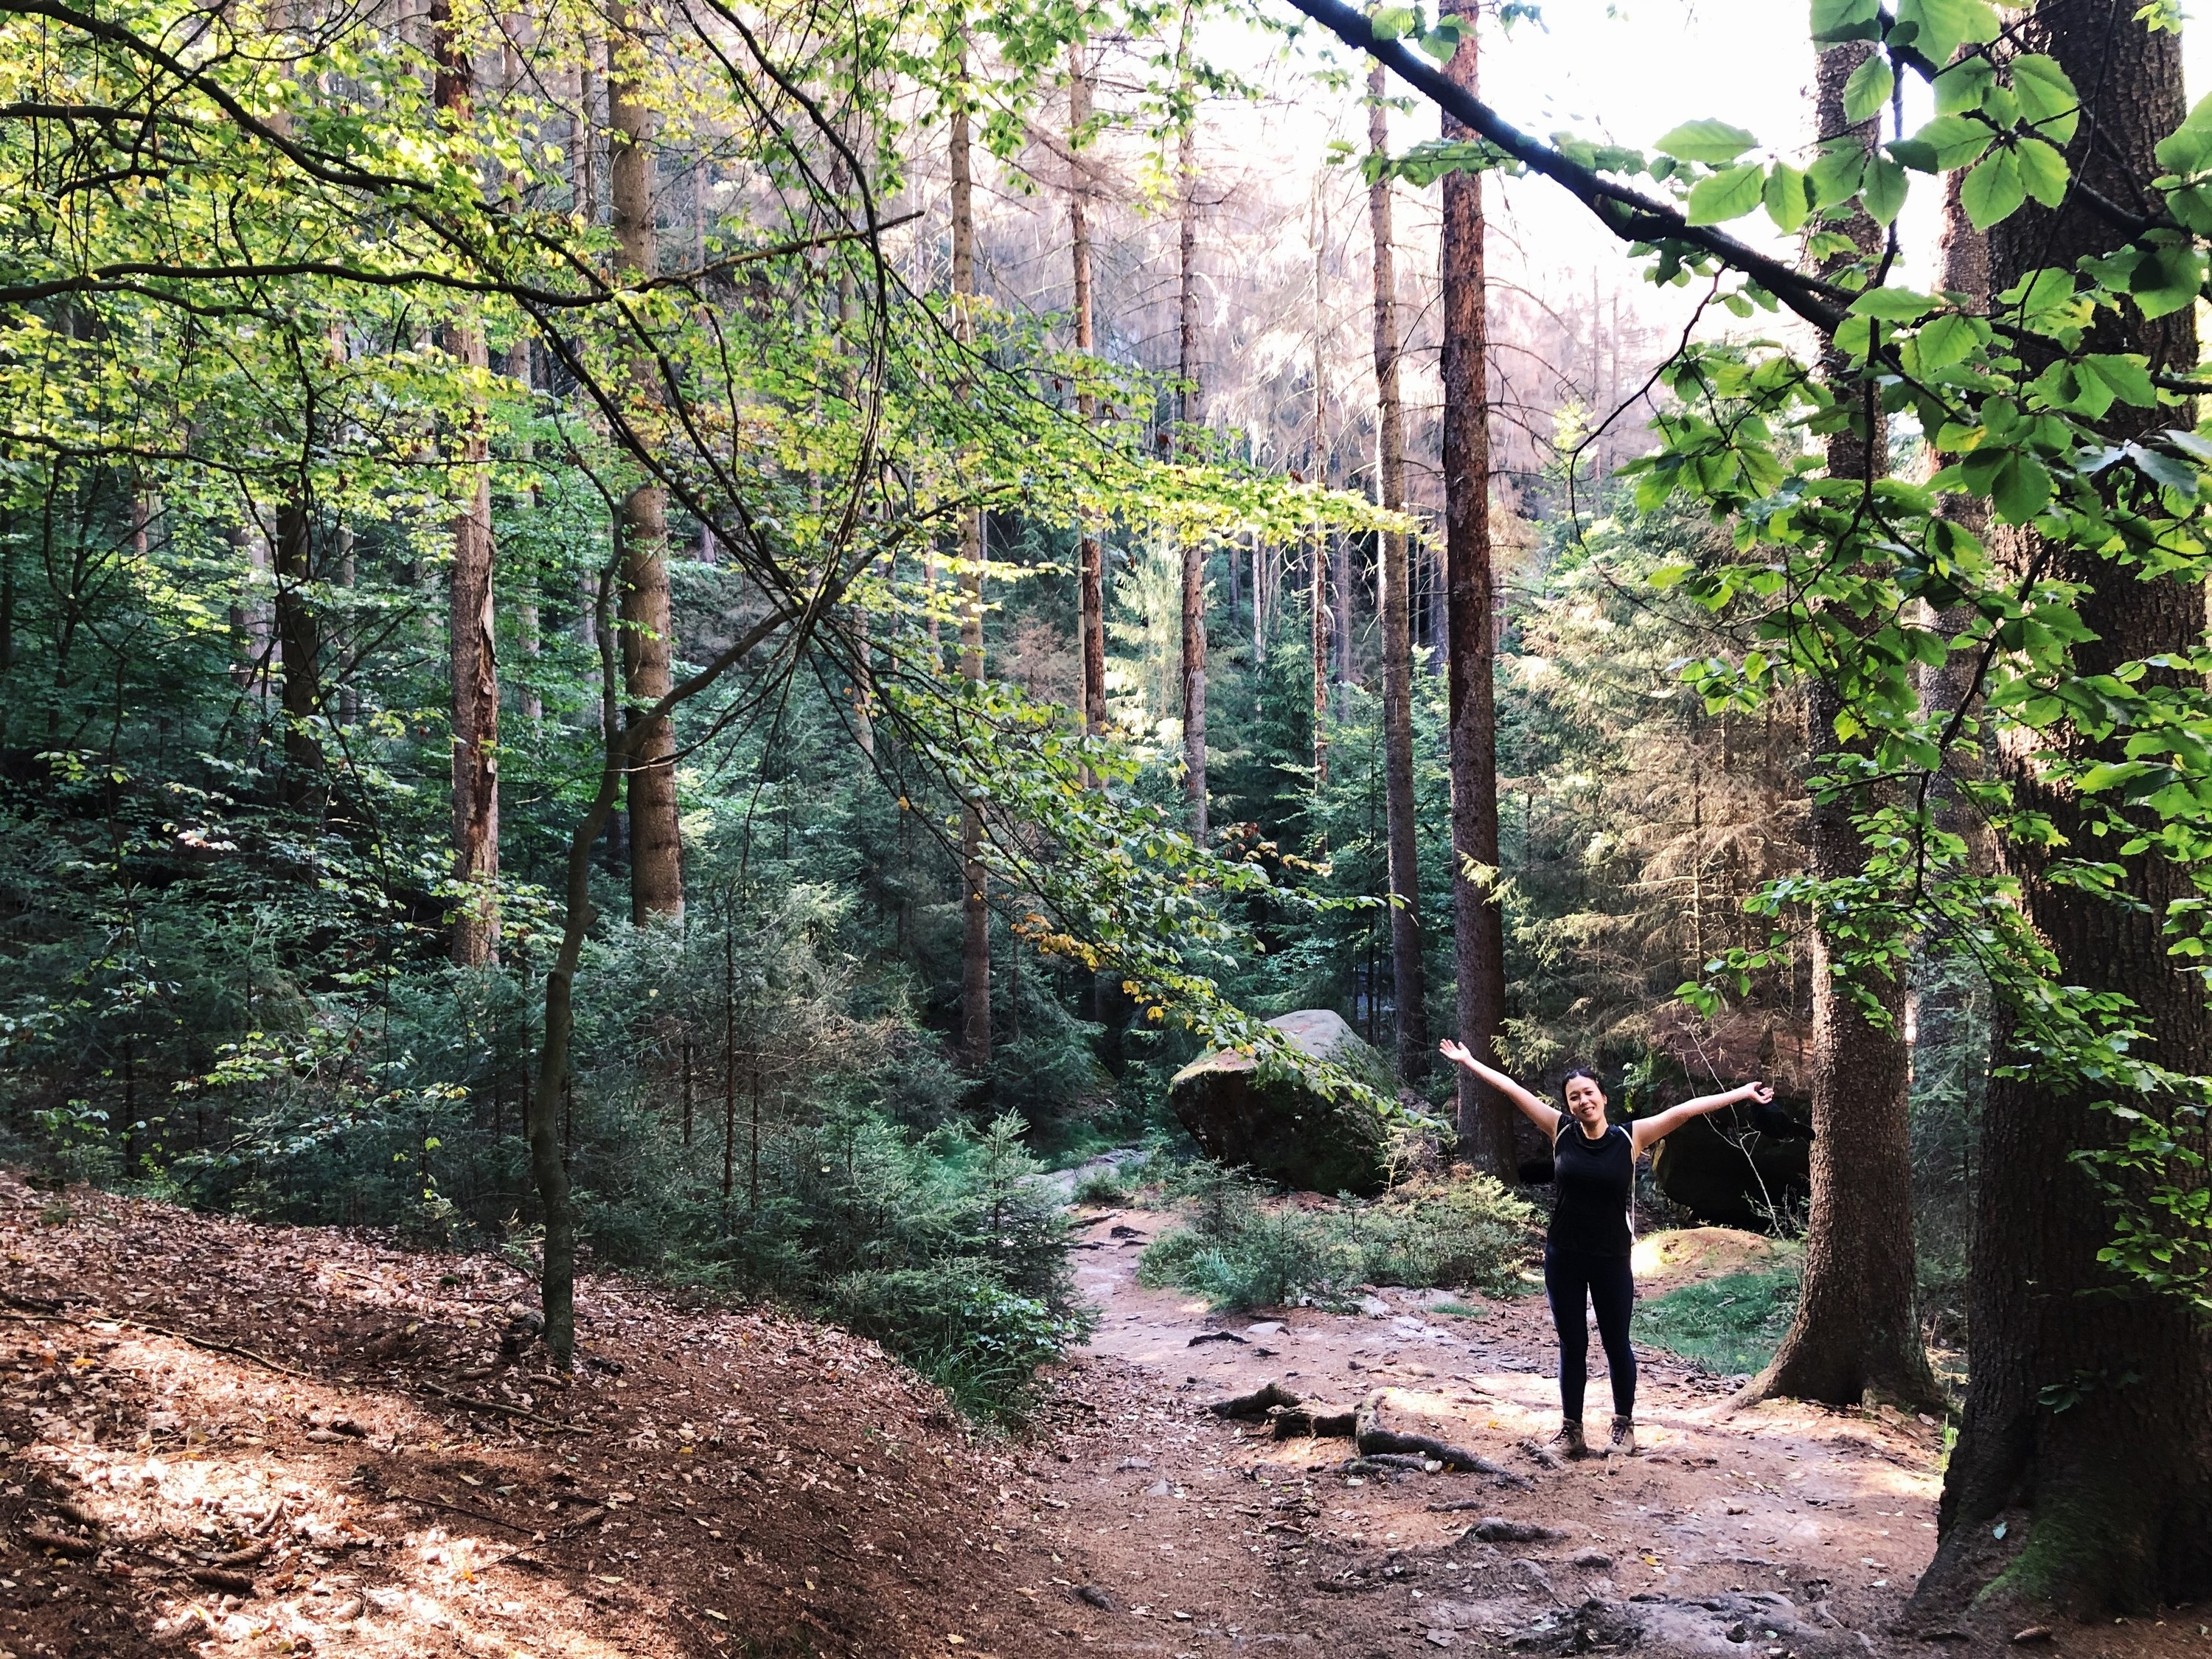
[[1140, 824]]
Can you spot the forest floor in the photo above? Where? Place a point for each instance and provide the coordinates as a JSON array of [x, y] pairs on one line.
[[220, 1438]]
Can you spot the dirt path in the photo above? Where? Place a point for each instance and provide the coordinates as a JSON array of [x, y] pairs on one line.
[[1781, 1531], [221, 1439]]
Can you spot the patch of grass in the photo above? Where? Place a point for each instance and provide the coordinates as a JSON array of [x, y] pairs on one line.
[[1727, 1326], [1457, 1310]]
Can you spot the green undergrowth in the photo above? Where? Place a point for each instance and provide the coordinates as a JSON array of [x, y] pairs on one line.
[[1729, 1325], [1241, 1248]]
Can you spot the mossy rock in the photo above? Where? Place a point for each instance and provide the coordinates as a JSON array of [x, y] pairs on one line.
[[1272, 1122]]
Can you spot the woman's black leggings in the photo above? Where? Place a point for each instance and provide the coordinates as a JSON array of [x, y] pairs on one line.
[[1569, 1276]]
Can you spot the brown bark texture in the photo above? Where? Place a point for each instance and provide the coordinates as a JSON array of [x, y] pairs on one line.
[[1409, 981], [2088, 1423], [1193, 552], [299, 651], [1485, 1117], [656, 842], [472, 645], [1856, 1330], [974, 879]]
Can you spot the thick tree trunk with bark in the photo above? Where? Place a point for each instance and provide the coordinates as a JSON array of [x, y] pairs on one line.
[[656, 841], [1485, 1118], [974, 890], [1857, 1329], [1193, 552], [471, 646], [299, 651], [2088, 1423], [1090, 606], [1409, 981]]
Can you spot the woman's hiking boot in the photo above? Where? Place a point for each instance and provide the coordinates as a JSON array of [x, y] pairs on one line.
[[1569, 1442], [1623, 1444]]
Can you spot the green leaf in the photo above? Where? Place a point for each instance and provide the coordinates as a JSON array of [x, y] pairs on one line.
[[2047, 98], [1963, 84], [1835, 20], [2041, 294], [1726, 195], [1892, 305], [1993, 190], [2068, 387], [1714, 143], [1946, 340], [2185, 150], [2043, 172], [1394, 23], [2129, 377], [1935, 29], [1867, 93], [1955, 140], [1835, 174], [1884, 189], [1789, 198], [2165, 471], [2166, 279], [2021, 489]]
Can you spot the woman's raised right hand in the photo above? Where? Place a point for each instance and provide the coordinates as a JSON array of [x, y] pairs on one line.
[[1457, 1053]]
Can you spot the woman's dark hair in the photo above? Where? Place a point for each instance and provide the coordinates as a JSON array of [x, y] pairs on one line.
[[1578, 1070]]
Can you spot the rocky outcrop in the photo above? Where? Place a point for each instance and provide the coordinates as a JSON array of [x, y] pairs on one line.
[[1268, 1118]]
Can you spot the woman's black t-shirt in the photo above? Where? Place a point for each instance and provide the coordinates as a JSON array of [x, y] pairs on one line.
[[1591, 1179]]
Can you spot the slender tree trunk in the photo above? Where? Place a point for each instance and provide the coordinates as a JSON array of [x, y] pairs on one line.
[[1190, 412], [974, 879], [348, 579], [1090, 606], [1856, 1330], [298, 646], [2088, 1424], [472, 645], [656, 845], [1403, 832], [1485, 1117], [528, 627], [1319, 464]]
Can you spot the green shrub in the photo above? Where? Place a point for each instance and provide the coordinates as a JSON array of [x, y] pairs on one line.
[[1103, 1189], [1729, 1325], [957, 1323], [1240, 1250]]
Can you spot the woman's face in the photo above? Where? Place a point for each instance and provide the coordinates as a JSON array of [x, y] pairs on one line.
[[1586, 1104]]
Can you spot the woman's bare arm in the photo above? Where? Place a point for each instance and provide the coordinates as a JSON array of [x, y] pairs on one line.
[[1649, 1131], [1533, 1107]]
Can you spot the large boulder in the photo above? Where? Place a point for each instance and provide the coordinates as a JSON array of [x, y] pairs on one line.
[[1268, 1119], [1745, 1165]]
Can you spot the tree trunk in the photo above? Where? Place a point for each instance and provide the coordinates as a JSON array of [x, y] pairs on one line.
[[299, 648], [656, 846], [974, 879], [1856, 1330], [1319, 464], [473, 647], [1485, 1117], [1191, 410], [1402, 834], [2088, 1423], [1091, 608]]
